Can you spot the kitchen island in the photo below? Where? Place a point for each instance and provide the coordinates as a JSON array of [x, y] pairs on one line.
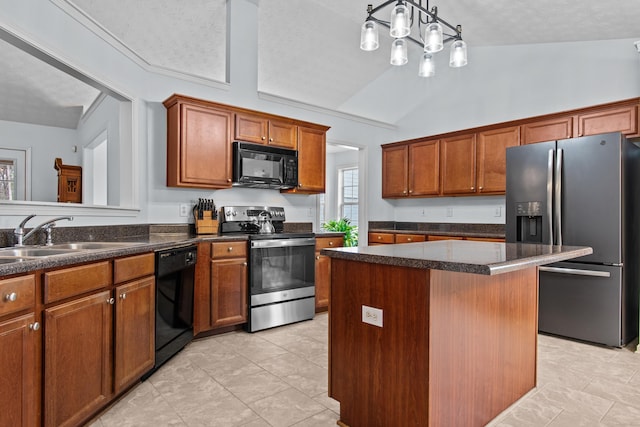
[[434, 334]]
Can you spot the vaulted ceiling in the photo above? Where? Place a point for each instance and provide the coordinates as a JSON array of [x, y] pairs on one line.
[[308, 51]]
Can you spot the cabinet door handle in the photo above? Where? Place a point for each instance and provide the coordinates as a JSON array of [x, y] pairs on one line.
[[263, 138], [244, 263], [230, 249], [379, 237], [123, 295], [228, 179], [473, 188], [410, 191], [318, 257], [330, 243], [404, 192], [409, 239], [270, 139], [34, 326], [11, 297], [110, 301]]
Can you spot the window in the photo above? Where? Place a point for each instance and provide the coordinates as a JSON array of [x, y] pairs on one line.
[[7, 179], [348, 198]]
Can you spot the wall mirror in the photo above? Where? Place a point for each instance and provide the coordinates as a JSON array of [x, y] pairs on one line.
[[50, 110]]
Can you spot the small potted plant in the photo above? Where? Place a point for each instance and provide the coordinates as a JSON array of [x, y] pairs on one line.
[[343, 225]]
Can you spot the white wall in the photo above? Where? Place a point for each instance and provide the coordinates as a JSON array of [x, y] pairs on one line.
[[500, 83], [46, 144]]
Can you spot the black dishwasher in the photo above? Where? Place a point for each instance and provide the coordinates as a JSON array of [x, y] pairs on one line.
[[175, 272]]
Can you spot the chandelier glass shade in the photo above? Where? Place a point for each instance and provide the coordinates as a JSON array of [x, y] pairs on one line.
[[431, 34]]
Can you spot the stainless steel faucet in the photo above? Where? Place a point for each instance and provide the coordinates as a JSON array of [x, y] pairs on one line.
[[46, 226]]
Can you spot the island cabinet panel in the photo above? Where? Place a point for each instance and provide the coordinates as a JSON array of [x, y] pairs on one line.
[[481, 360], [19, 378], [491, 158], [77, 359], [547, 130], [198, 146], [458, 160], [452, 349], [395, 166], [370, 365]]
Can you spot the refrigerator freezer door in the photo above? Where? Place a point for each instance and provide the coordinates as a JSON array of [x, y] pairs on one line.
[[581, 301], [529, 192], [591, 196]]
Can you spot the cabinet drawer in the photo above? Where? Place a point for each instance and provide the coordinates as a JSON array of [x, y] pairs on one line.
[[328, 242], [410, 238], [73, 281], [17, 294], [133, 267], [229, 249], [381, 238]]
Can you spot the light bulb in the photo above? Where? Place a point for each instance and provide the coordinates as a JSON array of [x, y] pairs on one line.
[[399, 52], [458, 55], [369, 36], [399, 21], [433, 38], [427, 67]]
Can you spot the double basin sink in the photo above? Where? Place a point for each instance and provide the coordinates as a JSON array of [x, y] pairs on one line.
[[27, 253]]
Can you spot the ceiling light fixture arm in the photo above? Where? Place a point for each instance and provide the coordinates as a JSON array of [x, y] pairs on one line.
[[433, 15]]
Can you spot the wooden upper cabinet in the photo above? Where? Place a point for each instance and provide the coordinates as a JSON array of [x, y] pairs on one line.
[[424, 168], [458, 160], [395, 166], [622, 119], [262, 130], [198, 145], [311, 160], [547, 130], [491, 158]]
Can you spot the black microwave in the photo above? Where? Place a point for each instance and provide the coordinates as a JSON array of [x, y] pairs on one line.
[[263, 166]]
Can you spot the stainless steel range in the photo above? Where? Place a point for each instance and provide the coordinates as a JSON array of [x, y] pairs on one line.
[[281, 266]]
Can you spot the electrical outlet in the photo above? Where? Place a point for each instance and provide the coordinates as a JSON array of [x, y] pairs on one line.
[[184, 209], [372, 316], [498, 211], [449, 211]]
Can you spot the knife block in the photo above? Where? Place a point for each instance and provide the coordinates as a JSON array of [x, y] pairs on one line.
[[206, 225]]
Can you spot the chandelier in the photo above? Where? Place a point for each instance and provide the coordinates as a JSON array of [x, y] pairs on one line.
[[430, 29]]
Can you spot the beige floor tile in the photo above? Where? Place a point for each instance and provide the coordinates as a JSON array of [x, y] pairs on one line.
[[323, 419], [628, 394], [328, 402], [256, 386], [622, 415], [286, 408], [572, 419]]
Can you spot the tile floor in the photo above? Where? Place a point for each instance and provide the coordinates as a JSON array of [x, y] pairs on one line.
[[278, 377]]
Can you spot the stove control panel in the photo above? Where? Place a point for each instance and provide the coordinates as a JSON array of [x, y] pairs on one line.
[[251, 213]]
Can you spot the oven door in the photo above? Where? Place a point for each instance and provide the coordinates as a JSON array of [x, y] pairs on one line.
[[281, 269]]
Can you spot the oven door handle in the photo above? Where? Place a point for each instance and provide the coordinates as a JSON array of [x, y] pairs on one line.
[[280, 243]]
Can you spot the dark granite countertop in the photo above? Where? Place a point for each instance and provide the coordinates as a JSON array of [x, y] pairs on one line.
[[150, 243], [480, 234], [461, 255]]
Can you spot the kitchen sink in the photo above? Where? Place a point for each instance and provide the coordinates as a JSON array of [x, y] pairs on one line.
[[94, 245], [34, 252]]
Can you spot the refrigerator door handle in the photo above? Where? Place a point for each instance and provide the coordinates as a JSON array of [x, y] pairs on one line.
[[558, 197], [550, 195], [575, 271]]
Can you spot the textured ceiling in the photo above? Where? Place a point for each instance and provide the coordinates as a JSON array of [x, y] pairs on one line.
[[307, 50]]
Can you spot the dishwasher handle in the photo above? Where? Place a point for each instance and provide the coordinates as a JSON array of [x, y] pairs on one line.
[[279, 243], [575, 271]]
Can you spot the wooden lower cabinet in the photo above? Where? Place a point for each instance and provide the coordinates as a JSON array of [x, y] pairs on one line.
[[381, 238], [229, 284], [323, 270], [19, 374], [409, 238], [134, 343], [77, 359]]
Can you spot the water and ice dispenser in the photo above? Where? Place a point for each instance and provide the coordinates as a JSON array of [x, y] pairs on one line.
[[529, 222]]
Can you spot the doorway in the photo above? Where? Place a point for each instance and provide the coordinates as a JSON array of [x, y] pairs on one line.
[[345, 186]]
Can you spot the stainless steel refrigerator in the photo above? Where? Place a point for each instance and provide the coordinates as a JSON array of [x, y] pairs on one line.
[[586, 192]]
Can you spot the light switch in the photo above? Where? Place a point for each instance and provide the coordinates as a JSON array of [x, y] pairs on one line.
[[372, 316]]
